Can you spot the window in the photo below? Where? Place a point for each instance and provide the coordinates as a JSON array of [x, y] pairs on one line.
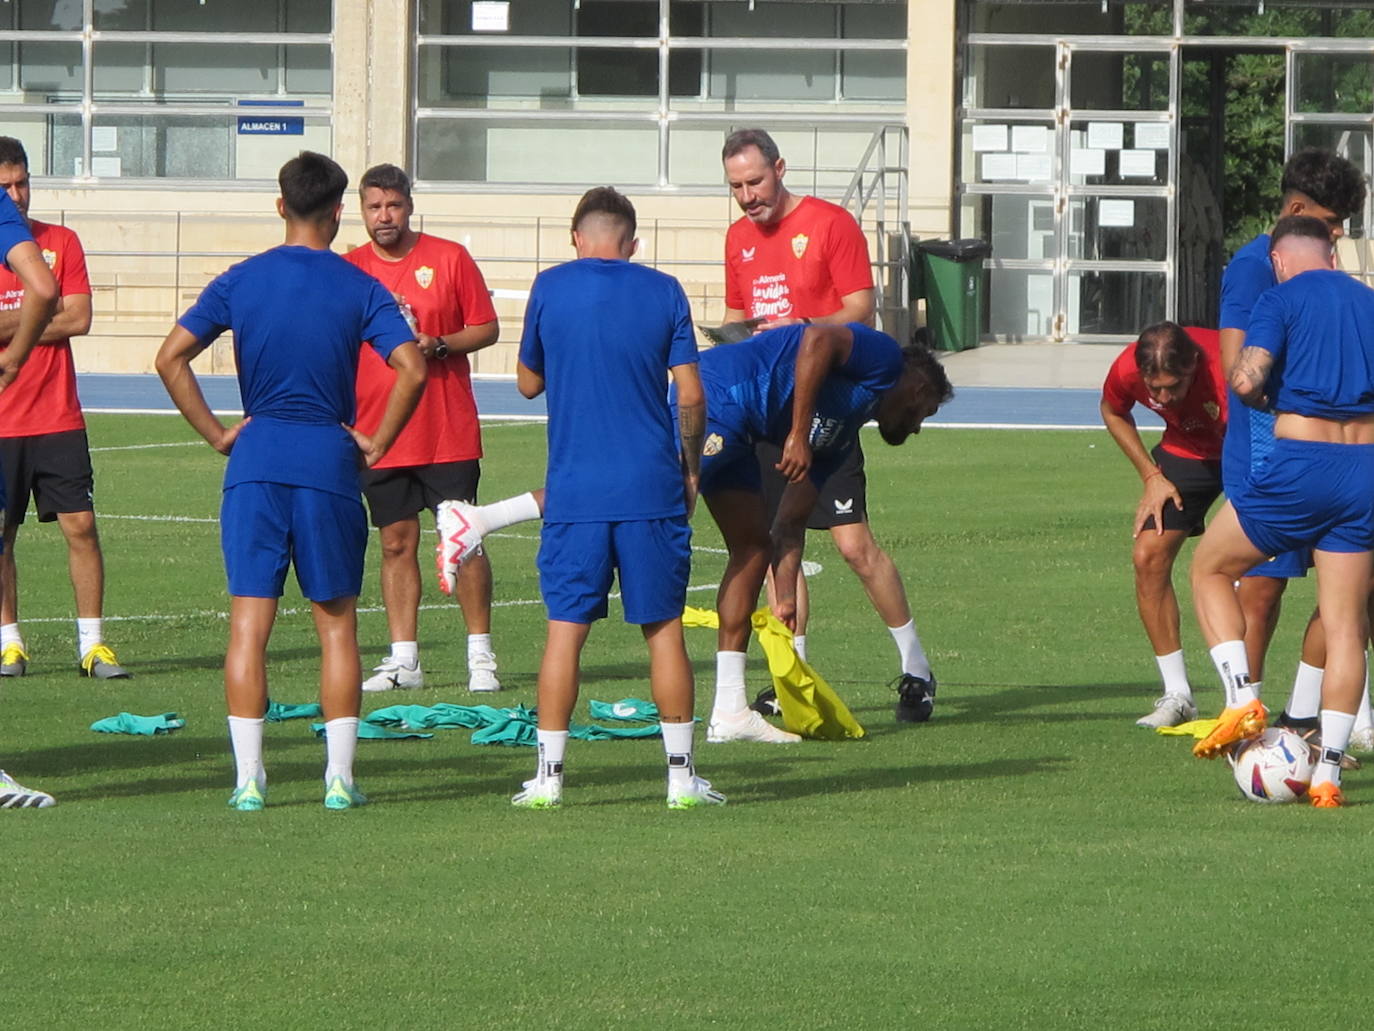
[[219, 89]]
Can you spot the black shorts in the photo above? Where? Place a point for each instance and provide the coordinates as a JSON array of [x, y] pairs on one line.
[[53, 468], [842, 500], [1199, 484], [394, 495]]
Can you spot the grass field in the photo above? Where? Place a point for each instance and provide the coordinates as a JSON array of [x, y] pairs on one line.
[[1029, 859]]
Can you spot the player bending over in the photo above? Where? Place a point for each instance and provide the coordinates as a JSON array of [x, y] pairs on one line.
[[291, 491], [807, 389], [1176, 373], [1308, 356]]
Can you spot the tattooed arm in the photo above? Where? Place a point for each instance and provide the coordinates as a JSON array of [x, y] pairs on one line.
[[691, 416], [1249, 374]]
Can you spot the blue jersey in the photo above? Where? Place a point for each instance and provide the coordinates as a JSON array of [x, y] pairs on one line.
[[297, 315], [13, 229], [604, 334], [1319, 326], [1249, 433], [754, 381]]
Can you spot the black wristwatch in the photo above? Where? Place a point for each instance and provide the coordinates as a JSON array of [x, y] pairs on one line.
[[441, 349]]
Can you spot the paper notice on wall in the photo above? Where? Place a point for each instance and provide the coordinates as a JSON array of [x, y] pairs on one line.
[[1033, 168], [106, 166], [1138, 164], [1152, 135], [1112, 213], [989, 137], [1030, 139], [104, 138], [1105, 135], [999, 166], [490, 16], [1088, 161]]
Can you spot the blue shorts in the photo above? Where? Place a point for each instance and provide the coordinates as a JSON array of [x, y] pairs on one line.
[[1311, 495], [265, 527], [1291, 565], [578, 560]]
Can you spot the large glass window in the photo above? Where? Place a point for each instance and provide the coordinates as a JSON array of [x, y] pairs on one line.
[[641, 83], [170, 89]]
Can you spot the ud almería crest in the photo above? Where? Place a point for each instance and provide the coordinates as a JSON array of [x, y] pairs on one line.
[[424, 275], [799, 243]]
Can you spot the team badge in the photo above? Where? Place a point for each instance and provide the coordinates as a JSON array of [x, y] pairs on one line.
[[799, 243], [1212, 409], [424, 275], [50, 257], [713, 446]]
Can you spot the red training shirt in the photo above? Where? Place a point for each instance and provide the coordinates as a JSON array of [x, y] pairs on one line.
[[1194, 428], [801, 266], [446, 290], [42, 399]]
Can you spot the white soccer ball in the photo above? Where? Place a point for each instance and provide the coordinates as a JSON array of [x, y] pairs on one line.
[[1275, 767]]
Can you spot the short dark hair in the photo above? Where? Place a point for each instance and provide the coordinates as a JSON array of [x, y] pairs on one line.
[[12, 152], [385, 177], [921, 360], [607, 201], [311, 185], [1166, 349], [742, 139], [1328, 179], [1300, 225]]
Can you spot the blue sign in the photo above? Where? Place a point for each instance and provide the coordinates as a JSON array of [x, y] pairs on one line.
[[268, 124]]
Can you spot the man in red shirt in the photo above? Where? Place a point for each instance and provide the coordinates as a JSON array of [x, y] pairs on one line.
[[43, 447], [802, 259], [436, 457], [1176, 373]]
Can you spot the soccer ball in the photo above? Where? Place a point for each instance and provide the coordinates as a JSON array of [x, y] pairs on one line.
[[1275, 767]]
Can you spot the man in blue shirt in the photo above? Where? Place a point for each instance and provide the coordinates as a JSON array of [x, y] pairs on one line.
[[806, 388], [601, 336], [1309, 357], [291, 489], [1320, 184], [22, 257]]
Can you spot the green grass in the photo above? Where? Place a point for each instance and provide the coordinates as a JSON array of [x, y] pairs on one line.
[[1029, 859]]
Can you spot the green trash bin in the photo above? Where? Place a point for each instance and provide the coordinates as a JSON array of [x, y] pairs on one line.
[[952, 283]]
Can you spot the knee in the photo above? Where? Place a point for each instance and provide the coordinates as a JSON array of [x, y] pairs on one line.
[[1153, 565], [398, 547]]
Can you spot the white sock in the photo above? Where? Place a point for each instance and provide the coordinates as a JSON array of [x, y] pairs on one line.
[[340, 745], [913, 656], [677, 746], [1234, 669], [245, 735], [1305, 700], [500, 514], [1364, 719], [479, 644], [88, 635], [1336, 727], [799, 645], [1174, 674], [552, 745], [730, 698], [407, 653], [9, 634]]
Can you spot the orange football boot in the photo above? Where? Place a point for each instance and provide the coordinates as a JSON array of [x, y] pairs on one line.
[[1326, 796], [1239, 724]]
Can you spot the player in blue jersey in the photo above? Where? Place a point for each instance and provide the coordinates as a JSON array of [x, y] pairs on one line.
[[1320, 184], [22, 257], [808, 390], [291, 487], [601, 338], [1308, 357]]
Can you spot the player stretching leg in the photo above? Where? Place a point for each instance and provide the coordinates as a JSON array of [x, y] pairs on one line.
[[291, 492], [1308, 354]]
